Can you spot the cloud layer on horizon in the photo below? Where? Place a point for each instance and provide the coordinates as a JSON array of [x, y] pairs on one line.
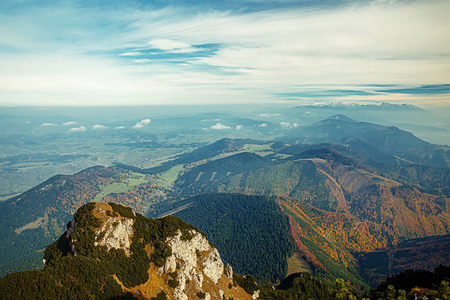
[[112, 53]]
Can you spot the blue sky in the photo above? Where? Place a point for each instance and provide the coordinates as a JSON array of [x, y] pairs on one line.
[[224, 52]]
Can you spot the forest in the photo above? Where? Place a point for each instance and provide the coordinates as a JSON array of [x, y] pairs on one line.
[[250, 232]]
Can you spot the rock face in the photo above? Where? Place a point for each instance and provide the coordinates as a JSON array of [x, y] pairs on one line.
[[199, 265], [192, 268]]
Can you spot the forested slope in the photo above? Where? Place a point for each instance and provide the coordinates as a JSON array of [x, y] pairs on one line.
[[250, 232]]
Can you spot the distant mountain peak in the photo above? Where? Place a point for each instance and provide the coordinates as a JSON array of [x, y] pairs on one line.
[[363, 106]]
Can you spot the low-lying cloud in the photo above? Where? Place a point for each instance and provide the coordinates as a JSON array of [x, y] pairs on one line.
[[220, 126], [69, 123], [99, 126], [77, 129], [268, 115], [142, 123], [49, 124], [288, 125]]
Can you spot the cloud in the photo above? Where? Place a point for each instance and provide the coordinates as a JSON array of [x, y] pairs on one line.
[[239, 127], [119, 127], [131, 54], [231, 52], [268, 115], [288, 125], [99, 126], [141, 123], [77, 129], [171, 46], [49, 124], [219, 126], [435, 89], [262, 125], [141, 61], [69, 123]]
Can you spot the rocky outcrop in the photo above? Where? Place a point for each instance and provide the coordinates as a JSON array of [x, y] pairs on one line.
[[115, 231], [193, 268], [196, 264]]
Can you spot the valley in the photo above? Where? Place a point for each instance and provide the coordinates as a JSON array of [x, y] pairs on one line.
[[359, 202]]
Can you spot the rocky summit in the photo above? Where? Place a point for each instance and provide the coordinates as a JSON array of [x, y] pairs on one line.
[[108, 251]]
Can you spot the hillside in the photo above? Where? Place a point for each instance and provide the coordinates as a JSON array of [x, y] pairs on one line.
[[234, 222], [32, 220], [332, 182], [388, 140], [221, 168], [109, 252], [338, 207], [337, 203]]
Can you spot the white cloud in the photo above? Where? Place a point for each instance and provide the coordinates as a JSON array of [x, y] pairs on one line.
[[262, 125], [49, 124], [171, 46], [119, 127], [141, 123], [69, 123], [142, 61], [83, 57], [220, 126], [288, 125], [239, 127], [77, 129], [99, 126], [131, 54], [268, 115]]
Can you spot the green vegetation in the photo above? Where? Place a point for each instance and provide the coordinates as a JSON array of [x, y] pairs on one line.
[[54, 202], [250, 232], [167, 178], [86, 272], [301, 286], [296, 179], [331, 260], [72, 278], [134, 180], [433, 284]]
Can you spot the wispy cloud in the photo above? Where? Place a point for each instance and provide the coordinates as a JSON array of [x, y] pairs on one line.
[[131, 54], [171, 46], [69, 123], [437, 89], [232, 52], [49, 124], [119, 127]]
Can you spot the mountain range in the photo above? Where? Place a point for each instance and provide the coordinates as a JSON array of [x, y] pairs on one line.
[[338, 198]]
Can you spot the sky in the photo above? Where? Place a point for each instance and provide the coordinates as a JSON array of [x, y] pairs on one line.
[[96, 53]]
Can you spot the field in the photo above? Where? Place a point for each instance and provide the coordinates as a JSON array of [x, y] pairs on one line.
[[133, 181], [167, 178]]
